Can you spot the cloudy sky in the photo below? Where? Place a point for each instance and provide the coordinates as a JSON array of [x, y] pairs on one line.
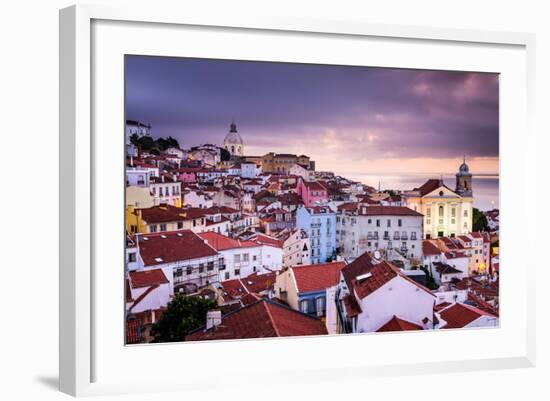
[[348, 119]]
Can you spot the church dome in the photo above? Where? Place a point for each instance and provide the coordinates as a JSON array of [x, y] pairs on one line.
[[233, 136], [464, 169]]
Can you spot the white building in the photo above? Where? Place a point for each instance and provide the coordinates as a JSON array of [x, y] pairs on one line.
[[243, 258], [391, 229], [147, 290], [180, 154], [372, 293], [185, 259], [166, 189], [138, 177], [250, 170], [198, 199], [301, 171]]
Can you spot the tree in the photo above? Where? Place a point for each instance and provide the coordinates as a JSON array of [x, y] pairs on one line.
[[225, 155], [182, 315], [479, 221], [430, 281]]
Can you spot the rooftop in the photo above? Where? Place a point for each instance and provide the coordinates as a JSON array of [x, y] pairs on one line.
[[260, 319], [310, 278]]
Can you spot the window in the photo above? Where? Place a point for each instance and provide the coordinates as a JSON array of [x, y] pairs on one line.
[[389, 223], [399, 223], [377, 223], [180, 225], [320, 306], [413, 235], [160, 191], [188, 270], [453, 212], [370, 221], [133, 228], [440, 211], [465, 213], [237, 272], [246, 257], [304, 307], [201, 268], [153, 228], [236, 258], [227, 275], [132, 257], [254, 257], [210, 266], [163, 227], [429, 212]]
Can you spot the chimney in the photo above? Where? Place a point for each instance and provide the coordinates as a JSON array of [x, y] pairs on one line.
[[213, 318]]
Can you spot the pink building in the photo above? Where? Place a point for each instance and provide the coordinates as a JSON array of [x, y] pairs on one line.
[[312, 192], [187, 175]]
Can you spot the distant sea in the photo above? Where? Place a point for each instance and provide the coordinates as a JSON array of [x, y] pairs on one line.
[[485, 187]]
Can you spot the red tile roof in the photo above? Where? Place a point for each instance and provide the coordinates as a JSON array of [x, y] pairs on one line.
[[220, 242], [352, 307], [388, 211], [359, 266], [267, 240], [397, 324], [429, 249], [310, 278], [459, 315], [172, 246], [429, 186], [261, 319], [314, 186], [163, 214], [380, 275], [147, 278]]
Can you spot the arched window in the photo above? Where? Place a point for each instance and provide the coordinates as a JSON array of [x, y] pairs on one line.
[[440, 211], [466, 185], [232, 149]]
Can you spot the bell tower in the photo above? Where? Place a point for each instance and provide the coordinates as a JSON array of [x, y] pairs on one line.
[[464, 180]]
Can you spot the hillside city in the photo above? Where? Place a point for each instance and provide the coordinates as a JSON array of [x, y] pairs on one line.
[[224, 245]]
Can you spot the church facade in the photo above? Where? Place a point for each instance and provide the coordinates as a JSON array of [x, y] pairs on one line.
[[447, 212]]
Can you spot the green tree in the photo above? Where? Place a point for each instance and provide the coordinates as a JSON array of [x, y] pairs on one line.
[[182, 315], [430, 281], [479, 221], [146, 142]]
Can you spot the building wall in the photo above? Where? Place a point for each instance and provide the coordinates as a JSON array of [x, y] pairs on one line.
[[195, 200], [156, 299], [285, 288], [397, 297], [321, 229], [293, 250], [167, 192], [139, 197], [484, 321], [447, 223], [359, 234]]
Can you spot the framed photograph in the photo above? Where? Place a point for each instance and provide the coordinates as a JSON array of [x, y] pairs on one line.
[[327, 199]]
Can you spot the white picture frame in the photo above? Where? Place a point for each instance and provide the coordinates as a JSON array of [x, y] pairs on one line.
[[79, 209]]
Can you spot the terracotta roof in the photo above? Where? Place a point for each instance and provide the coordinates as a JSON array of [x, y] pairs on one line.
[[314, 186], [261, 319], [348, 207], [359, 266], [147, 278], [380, 275], [429, 186], [220, 210], [172, 246], [267, 240], [388, 211], [165, 214], [443, 268], [310, 278], [429, 249], [397, 324], [459, 315], [220, 242], [352, 306]]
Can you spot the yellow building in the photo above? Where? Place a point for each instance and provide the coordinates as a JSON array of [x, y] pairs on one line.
[[139, 197], [164, 218], [446, 212]]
